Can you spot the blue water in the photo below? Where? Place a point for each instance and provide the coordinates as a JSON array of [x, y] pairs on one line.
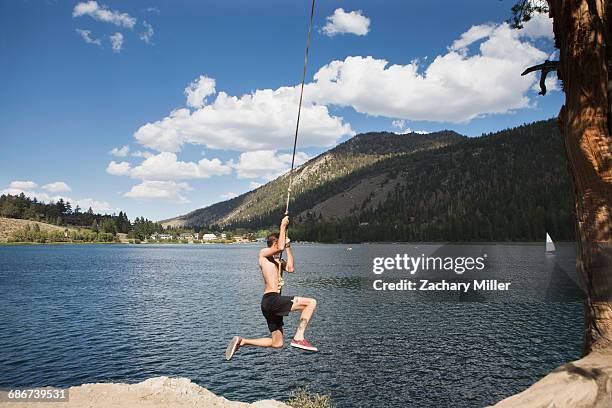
[[124, 313]]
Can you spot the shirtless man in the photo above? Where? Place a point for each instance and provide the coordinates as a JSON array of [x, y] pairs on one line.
[[273, 305]]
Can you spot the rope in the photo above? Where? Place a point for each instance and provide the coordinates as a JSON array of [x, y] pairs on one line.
[[297, 130], [299, 112]]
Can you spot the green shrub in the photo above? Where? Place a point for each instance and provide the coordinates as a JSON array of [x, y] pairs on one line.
[[304, 399]]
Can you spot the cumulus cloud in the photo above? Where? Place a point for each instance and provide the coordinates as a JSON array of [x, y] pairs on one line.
[[87, 37], [22, 185], [165, 166], [456, 87], [540, 25], [159, 190], [28, 189], [95, 205], [116, 42], [103, 13], [57, 187], [341, 22], [260, 120], [147, 34], [118, 169], [198, 90], [267, 164], [477, 76], [141, 153], [120, 151]]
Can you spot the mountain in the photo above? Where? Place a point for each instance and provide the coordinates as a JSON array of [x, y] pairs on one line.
[[503, 186], [343, 160]]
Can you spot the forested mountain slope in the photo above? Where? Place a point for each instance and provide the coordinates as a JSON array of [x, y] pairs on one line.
[[509, 185]]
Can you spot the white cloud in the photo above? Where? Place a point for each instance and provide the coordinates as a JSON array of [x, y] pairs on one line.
[[341, 22], [551, 82], [455, 87], [198, 90], [57, 187], [118, 169], [419, 132], [254, 185], [22, 185], [103, 13], [260, 120], [117, 42], [96, 206], [266, 163], [159, 190], [154, 10], [27, 188], [148, 32], [86, 36], [400, 124], [144, 154], [540, 25], [229, 195], [165, 166], [120, 151], [475, 33]]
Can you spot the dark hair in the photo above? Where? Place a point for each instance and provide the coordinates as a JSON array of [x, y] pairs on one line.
[[272, 238]]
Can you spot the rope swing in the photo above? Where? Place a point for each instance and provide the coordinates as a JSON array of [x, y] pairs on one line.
[[299, 112], [295, 138]]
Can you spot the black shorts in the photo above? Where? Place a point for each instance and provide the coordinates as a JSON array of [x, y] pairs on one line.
[[274, 307]]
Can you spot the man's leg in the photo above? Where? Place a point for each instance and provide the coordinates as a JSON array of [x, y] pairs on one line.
[[307, 306], [276, 341]]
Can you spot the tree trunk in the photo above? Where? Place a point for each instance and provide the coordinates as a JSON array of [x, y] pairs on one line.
[[582, 35]]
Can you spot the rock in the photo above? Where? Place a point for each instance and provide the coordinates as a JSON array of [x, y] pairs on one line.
[[155, 392], [582, 383]]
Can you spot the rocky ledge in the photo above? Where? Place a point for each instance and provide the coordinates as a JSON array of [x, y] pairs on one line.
[[153, 393], [582, 383]]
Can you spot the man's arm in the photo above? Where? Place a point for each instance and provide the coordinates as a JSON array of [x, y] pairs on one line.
[[289, 267], [267, 252]]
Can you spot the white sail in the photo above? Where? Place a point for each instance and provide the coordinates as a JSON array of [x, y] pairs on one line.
[[550, 245]]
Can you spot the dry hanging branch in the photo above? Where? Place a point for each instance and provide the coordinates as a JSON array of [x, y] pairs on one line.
[[544, 69]]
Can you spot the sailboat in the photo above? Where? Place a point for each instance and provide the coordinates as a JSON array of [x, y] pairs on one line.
[[550, 245]]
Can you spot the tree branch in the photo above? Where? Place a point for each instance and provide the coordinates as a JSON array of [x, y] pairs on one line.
[[544, 69]]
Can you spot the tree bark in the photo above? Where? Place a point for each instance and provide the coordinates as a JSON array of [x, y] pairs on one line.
[[583, 30]]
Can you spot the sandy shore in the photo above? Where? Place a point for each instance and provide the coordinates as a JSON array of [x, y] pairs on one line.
[[155, 392]]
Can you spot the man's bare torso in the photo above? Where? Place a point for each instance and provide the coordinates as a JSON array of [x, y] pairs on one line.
[[269, 271]]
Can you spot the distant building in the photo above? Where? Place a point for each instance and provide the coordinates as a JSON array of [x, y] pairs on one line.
[[209, 237], [157, 236], [189, 236], [223, 235]]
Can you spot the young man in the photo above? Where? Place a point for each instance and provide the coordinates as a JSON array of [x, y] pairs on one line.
[[273, 305]]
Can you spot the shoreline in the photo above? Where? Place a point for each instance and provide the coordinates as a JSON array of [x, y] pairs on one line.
[[516, 243], [156, 392]]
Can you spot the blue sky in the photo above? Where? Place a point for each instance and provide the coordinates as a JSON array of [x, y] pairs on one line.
[[203, 93]]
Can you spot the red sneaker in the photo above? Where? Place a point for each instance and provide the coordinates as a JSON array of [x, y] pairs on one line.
[[304, 345], [232, 347]]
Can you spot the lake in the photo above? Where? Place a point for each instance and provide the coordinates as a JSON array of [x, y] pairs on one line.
[[74, 314]]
